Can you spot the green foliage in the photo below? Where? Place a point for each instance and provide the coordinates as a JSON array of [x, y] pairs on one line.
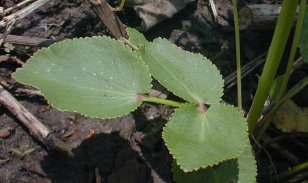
[[136, 38], [88, 76], [303, 42], [101, 77], [276, 87], [247, 166], [242, 169], [224, 172], [207, 137], [279, 41], [188, 75]]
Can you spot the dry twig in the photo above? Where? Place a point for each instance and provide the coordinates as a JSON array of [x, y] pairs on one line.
[[37, 128], [8, 10], [28, 41], [9, 21], [12, 18], [214, 10], [109, 19]]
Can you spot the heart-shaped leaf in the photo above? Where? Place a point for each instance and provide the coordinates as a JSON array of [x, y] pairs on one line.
[[188, 75], [303, 42], [201, 139], [98, 77], [241, 170]]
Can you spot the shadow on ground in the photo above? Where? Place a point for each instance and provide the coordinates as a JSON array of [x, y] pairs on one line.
[[108, 154]]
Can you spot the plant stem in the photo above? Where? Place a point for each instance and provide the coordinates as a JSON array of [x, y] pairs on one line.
[[293, 170], [238, 56], [120, 8], [267, 119], [298, 29], [282, 31], [158, 100]]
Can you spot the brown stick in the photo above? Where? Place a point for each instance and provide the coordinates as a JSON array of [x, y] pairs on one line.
[[1, 12], [8, 10], [109, 19], [258, 16], [10, 19], [37, 128], [28, 41]]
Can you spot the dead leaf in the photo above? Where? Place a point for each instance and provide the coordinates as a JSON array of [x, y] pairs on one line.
[[291, 118]]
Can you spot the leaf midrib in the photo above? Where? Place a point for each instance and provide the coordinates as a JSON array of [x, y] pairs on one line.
[[91, 88]]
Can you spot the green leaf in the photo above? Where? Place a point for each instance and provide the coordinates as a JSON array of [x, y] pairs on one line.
[[188, 75], [225, 172], [98, 77], [136, 38], [247, 166], [242, 170], [303, 42], [201, 139]]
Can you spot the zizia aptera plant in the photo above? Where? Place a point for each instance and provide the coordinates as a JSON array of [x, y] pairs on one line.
[[104, 78]]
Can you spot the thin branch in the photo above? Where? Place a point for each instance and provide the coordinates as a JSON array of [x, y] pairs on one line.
[[37, 128], [22, 13], [8, 10]]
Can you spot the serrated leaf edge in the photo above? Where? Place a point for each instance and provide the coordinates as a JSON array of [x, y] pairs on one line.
[[129, 38], [255, 167], [190, 53], [79, 39], [211, 165], [255, 162]]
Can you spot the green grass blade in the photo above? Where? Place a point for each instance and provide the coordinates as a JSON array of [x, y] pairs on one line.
[[303, 42]]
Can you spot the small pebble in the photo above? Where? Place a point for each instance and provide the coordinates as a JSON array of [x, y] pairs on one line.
[[5, 132]]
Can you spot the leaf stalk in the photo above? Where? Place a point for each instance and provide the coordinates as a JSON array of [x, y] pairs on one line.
[[265, 122], [294, 170], [281, 34], [298, 29], [158, 100], [238, 56]]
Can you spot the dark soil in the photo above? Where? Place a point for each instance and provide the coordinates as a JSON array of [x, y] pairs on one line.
[[127, 149]]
